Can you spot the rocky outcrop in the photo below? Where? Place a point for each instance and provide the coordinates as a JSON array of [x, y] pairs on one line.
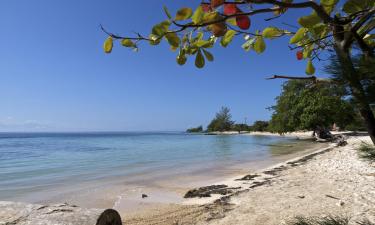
[[15, 213]]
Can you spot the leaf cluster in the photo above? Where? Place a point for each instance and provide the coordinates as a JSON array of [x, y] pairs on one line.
[[302, 106]]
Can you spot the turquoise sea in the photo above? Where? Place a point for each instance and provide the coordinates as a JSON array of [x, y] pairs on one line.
[[48, 167]]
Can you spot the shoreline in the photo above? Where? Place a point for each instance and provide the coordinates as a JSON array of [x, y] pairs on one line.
[[227, 176], [323, 182], [257, 193]]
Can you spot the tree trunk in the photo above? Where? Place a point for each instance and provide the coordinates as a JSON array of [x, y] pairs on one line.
[[350, 74]]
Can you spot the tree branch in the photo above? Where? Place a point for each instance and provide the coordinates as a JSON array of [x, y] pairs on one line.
[[313, 78], [363, 19]]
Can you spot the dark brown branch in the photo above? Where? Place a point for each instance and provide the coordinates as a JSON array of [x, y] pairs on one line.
[[140, 37], [369, 51], [313, 78]]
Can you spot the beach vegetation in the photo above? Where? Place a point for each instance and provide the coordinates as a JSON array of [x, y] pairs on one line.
[[260, 126], [240, 127], [330, 220], [195, 130], [222, 121], [344, 29], [306, 106], [320, 221], [367, 151]]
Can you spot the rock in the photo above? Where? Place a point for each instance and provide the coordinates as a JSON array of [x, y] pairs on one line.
[[144, 196], [341, 203], [208, 190], [16, 213], [249, 177], [301, 196]]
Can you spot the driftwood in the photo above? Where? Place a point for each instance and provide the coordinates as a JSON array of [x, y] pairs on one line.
[[14, 213]]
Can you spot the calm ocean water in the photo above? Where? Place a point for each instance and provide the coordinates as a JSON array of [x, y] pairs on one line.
[[32, 163]]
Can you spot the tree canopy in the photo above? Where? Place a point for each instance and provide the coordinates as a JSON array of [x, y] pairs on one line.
[[195, 130], [304, 107], [193, 31], [222, 121]]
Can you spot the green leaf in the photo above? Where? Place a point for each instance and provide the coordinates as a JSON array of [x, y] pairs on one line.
[[108, 45], [198, 15], [227, 38], [127, 43], [173, 39], [167, 12], [272, 32], [154, 40], [208, 55], [328, 5], [181, 58], [199, 60], [161, 28], [353, 6], [232, 21], [309, 21], [319, 30], [310, 69], [300, 34], [248, 44], [184, 14], [328, 2], [199, 36], [202, 43], [307, 51], [259, 45], [212, 16]]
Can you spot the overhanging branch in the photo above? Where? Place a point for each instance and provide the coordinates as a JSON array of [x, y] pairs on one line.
[[314, 79]]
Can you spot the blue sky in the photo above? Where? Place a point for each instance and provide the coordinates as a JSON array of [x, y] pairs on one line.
[[55, 76]]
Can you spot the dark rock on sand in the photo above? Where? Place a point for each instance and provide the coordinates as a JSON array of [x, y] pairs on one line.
[[249, 177], [208, 190]]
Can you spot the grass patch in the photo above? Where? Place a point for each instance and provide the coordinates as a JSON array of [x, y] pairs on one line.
[[367, 151], [330, 220], [365, 222], [320, 221]]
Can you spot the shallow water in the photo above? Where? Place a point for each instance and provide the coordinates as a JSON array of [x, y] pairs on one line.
[[96, 169]]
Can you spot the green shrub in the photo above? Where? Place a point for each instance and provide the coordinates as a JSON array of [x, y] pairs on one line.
[[195, 130], [367, 151], [320, 221], [330, 220]]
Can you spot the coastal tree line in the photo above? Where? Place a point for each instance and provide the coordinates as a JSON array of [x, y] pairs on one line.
[[303, 105], [343, 30]]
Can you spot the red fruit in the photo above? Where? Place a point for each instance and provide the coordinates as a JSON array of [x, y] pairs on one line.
[[299, 55], [216, 3], [206, 7], [230, 9], [243, 22]]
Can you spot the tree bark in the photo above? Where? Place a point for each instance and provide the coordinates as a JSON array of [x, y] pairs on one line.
[[350, 74]]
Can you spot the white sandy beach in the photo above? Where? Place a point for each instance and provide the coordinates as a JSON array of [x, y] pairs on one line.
[[334, 182]]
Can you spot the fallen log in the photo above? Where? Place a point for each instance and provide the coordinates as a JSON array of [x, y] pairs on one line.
[[15, 213]]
